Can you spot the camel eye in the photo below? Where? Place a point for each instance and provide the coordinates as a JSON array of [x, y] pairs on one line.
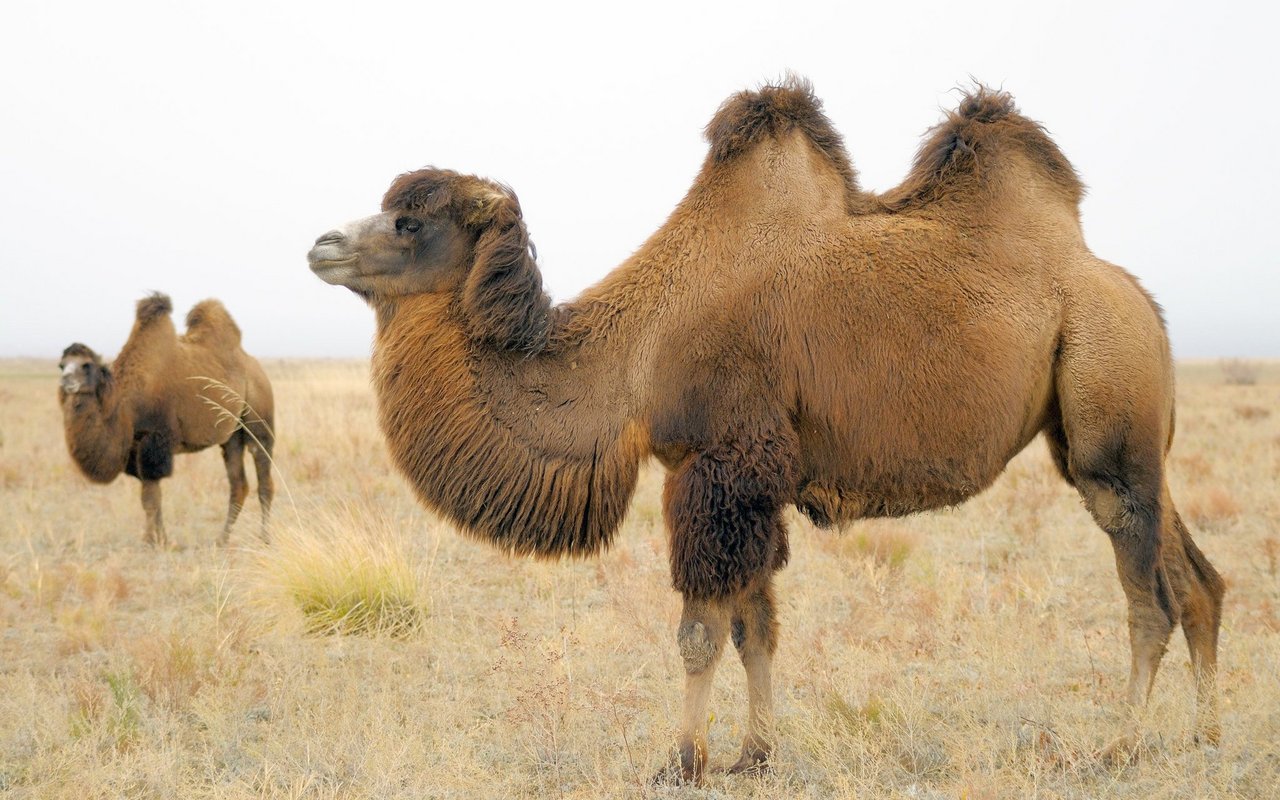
[[408, 225]]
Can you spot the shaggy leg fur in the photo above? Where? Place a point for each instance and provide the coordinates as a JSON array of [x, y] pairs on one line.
[[233, 458], [755, 634], [155, 535]]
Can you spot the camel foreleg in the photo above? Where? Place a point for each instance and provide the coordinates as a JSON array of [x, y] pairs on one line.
[[155, 535], [703, 632], [755, 634]]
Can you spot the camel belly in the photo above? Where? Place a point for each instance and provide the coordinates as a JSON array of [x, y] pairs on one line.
[[909, 458]]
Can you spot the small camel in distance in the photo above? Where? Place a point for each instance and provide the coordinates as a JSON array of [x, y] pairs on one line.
[[167, 394], [784, 338]]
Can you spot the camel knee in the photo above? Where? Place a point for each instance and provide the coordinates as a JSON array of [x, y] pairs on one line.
[[697, 648]]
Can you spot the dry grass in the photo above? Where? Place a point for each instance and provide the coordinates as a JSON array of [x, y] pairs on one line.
[[976, 653], [343, 575]]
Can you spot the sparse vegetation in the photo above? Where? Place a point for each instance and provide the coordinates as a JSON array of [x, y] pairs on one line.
[[973, 653]]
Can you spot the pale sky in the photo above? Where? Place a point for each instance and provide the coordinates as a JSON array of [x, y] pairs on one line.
[[200, 148]]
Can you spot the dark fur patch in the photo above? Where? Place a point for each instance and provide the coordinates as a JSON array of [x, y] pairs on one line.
[[984, 121], [724, 511], [774, 110], [152, 456], [154, 305]]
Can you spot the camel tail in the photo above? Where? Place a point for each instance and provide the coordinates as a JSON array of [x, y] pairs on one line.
[[210, 320], [154, 306], [771, 111]]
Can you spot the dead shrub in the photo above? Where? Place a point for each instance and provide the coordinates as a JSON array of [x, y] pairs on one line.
[[1238, 372], [1252, 413]]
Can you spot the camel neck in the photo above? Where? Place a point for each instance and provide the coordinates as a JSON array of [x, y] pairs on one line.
[[99, 433], [533, 453]]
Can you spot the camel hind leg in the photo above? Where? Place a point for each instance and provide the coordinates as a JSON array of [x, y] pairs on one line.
[[1200, 595], [233, 459], [261, 443], [1115, 459]]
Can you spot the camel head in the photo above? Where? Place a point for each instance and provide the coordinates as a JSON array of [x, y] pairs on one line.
[[82, 372], [425, 239], [444, 232]]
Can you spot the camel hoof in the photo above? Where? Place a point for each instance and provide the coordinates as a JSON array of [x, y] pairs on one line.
[[683, 768], [752, 764], [675, 775]]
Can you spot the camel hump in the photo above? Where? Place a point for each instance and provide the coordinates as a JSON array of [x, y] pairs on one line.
[[154, 306], [772, 111], [986, 121], [209, 320]]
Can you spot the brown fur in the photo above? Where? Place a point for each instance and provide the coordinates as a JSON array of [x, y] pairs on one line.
[[158, 398], [784, 338]]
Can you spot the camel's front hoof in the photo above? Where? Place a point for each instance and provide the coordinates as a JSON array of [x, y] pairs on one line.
[[684, 766], [755, 762]]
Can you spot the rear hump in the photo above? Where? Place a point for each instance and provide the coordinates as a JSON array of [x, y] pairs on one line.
[[208, 321]]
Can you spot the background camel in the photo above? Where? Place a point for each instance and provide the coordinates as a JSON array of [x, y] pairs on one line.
[[784, 338], [167, 394]]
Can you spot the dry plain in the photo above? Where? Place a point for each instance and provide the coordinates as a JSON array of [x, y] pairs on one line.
[[979, 652]]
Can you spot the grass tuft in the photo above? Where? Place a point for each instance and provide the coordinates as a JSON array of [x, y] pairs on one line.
[[345, 577]]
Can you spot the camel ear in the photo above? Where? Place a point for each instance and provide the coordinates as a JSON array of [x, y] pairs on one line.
[[488, 204], [503, 293]]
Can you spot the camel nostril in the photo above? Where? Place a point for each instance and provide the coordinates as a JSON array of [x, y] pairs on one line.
[[332, 237]]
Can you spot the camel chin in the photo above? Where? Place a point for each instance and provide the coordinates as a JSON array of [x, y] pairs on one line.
[[337, 272]]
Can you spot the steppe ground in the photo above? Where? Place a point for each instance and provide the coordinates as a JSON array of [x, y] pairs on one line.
[[979, 652]]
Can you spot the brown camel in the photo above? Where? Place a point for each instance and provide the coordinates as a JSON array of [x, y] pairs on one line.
[[784, 338], [167, 394]]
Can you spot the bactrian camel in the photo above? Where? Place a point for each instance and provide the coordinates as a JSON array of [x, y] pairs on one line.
[[167, 394], [784, 338]]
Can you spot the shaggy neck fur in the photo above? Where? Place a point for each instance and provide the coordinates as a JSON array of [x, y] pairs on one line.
[[99, 431], [494, 440]]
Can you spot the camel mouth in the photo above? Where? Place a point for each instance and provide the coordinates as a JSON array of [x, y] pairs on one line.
[[324, 263], [334, 271]]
